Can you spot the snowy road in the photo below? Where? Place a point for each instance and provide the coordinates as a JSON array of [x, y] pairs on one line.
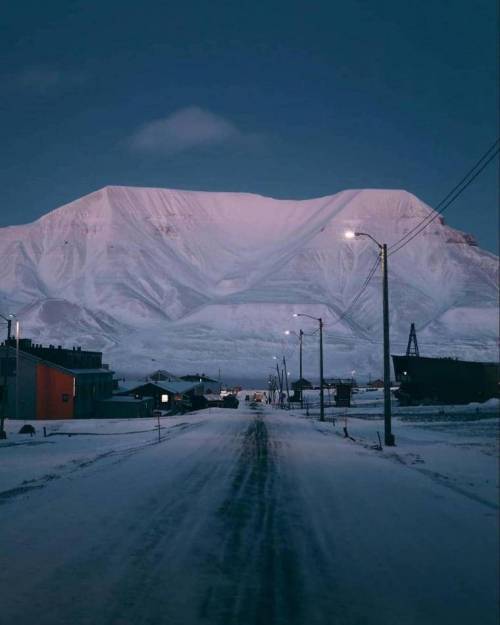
[[248, 517]]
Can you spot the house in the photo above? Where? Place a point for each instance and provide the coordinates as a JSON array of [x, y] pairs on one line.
[[209, 386], [343, 390], [161, 375], [52, 382], [301, 383], [166, 395]]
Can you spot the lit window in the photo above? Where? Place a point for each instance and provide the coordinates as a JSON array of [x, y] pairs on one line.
[[164, 399]]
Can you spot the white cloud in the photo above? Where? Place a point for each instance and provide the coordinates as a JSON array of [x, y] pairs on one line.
[[185, 129]]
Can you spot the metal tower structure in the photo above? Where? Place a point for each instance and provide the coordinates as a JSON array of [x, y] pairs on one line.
[[412, 349]]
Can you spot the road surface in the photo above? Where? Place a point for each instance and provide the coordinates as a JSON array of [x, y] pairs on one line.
[[247, 517]]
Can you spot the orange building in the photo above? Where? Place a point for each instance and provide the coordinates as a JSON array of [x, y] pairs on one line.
[[43, 389], [55, 393]]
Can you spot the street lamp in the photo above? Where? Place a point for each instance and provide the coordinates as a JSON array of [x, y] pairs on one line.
[[300, 335], [388, 435], [18, 336], [280, 381], [8, 319], [321, 383], [283, 379]]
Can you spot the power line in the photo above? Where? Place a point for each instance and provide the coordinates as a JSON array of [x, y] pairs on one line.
[[353, 303], [457, 190]]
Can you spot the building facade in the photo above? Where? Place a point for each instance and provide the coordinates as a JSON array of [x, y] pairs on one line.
[[51, 383]]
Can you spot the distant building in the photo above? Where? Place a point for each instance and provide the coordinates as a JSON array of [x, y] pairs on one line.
[[209, 386], [343, 391], [301, 383], [166, 395], [52, 382], [297, 387], [161, 375]]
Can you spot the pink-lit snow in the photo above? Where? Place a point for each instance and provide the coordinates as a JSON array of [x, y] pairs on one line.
[[202, 281]]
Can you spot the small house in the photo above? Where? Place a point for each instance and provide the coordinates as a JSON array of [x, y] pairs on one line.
[[166, 395]]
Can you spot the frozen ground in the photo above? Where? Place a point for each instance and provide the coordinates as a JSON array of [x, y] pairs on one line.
[[253, 516]]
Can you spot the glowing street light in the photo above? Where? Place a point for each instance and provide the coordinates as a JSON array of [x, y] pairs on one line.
[[299, 335], [388, 435], [321, 382]]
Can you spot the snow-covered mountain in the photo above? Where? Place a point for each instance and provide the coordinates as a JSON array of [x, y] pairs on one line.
[[196, 281]]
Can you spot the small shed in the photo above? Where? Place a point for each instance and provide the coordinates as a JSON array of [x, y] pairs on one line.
[[343, 391], [297, 387]]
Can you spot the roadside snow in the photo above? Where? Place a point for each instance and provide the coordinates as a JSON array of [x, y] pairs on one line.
[[28, 461], [250, 516]]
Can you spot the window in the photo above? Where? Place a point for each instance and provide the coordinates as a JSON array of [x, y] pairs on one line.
[[164, 399]]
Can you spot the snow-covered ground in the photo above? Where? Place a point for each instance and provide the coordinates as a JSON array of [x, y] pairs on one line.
[[251, 516], [28, 462]]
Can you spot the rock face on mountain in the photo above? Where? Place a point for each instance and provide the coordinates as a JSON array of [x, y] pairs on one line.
[[197, 281]]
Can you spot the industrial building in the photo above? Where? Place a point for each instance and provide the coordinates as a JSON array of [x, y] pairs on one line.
[[51, 382]]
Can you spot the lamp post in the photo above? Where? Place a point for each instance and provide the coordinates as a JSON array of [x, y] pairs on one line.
[[300, 335], [388, 435], [18, 333], [286, 380], [280, 382], [321, 383], [8, 319]]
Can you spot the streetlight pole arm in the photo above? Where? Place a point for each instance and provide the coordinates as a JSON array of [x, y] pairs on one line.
[[365, 234], [305, 315]]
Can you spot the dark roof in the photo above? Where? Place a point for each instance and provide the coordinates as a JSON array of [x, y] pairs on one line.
[[168, 387], [198, 378]]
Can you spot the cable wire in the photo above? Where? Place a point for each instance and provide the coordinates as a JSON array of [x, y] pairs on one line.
[[457, 190], [353, 303]]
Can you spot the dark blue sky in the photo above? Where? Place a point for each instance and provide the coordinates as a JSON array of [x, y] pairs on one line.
[[288, 99]]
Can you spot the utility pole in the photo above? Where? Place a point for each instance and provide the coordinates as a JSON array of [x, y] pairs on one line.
[[3, 434], [5, 364], [17, 369], [286, 380], [301, 334], [389, 437], [280, 386], [321, 382]]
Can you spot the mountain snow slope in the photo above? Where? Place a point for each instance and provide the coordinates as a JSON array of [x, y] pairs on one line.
[[200, 281]]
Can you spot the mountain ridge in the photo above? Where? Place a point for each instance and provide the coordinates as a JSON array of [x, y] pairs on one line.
[[204, 269]]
